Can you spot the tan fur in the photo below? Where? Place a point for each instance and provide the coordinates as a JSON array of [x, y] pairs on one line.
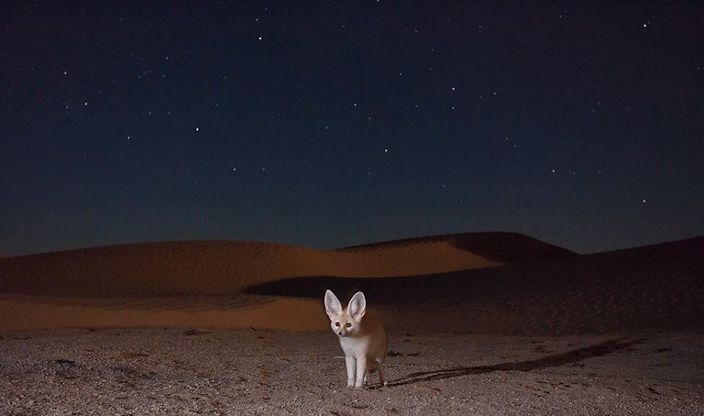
[[362, 338]]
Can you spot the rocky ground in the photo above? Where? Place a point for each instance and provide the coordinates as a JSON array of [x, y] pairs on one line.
[[189, 371]]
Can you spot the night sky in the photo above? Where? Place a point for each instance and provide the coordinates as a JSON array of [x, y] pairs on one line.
[[340, 123]]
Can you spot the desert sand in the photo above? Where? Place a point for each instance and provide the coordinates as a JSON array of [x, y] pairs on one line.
[[247, 372], [485, 323], [480, 283], [204, 283], [225, 267]]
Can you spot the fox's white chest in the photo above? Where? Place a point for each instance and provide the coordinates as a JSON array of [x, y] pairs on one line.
[[355, 346]]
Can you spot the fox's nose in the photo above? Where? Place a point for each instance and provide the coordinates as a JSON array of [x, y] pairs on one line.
[[339, 332]]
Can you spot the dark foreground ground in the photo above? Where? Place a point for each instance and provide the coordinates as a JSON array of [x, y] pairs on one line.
[[187, 372]]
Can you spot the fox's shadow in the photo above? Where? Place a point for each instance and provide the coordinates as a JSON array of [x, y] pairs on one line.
[[555, 360]]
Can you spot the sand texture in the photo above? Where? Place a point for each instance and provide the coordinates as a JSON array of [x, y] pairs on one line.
[[223, 372]]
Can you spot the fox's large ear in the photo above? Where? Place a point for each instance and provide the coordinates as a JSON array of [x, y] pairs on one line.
[[357, 306], [332, 305]]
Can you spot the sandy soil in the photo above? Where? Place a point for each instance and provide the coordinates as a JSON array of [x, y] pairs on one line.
[[187, 372]]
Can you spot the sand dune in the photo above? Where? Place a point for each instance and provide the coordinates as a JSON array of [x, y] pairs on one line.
[[659, 287], [480, 283], [224, 267]]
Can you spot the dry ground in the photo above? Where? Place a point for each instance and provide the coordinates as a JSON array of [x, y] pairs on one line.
[[185, 372]]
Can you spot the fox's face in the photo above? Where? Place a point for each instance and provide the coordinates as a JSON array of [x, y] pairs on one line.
[[345, 322], [344, 325]]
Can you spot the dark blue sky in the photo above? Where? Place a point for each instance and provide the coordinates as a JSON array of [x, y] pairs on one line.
[[340, 123]]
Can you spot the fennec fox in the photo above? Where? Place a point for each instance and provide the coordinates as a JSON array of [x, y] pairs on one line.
[[363, 340]]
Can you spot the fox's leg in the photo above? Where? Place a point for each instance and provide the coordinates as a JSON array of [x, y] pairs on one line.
[[361, 371], [350, 362], [382, 376], [371, 368]]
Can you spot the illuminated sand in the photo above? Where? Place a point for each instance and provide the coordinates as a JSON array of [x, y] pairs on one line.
[[37, 312], [503, 330], [188, 372]]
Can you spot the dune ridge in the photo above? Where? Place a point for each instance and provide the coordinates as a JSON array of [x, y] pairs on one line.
[[502, 247], [224, 267]]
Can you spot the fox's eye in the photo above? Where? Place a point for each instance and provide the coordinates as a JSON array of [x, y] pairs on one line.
[[337, 324], [348, 325]]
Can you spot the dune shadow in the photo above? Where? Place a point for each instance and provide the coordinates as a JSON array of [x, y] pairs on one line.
[[555, 360]]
